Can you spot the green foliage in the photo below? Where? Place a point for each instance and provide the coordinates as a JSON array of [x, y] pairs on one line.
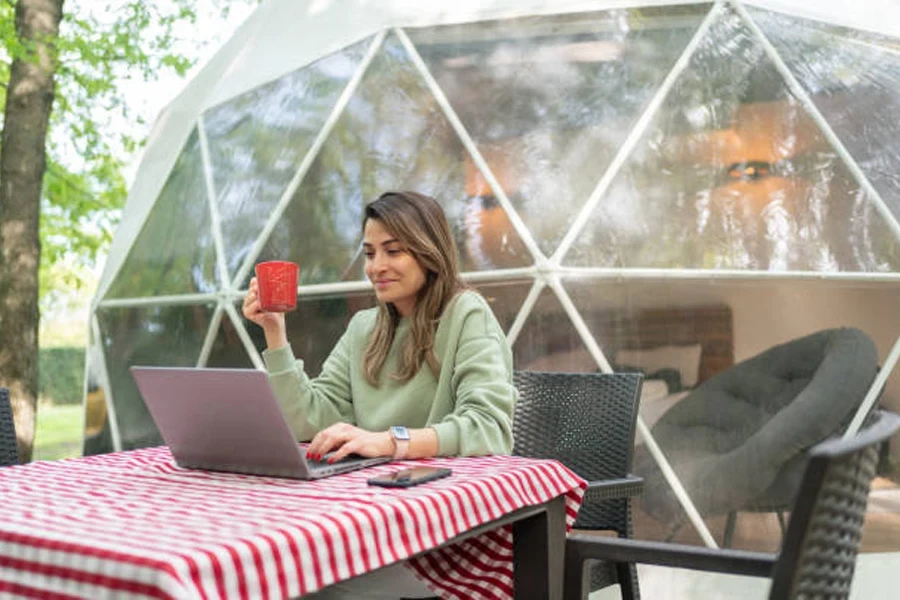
[[98, 49], [61, 375], [93, 131]]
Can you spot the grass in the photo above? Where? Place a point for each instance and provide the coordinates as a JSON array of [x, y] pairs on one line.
[[59, 431], [60, 427]]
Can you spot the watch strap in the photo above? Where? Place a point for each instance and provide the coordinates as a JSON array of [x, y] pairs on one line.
[[400, 435]]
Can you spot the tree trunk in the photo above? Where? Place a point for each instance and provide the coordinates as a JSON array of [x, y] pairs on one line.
[[29, 100]]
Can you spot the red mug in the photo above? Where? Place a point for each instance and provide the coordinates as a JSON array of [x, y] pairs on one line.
[[277, 281]]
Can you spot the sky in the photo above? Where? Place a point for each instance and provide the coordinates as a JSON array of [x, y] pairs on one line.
[[200, 41]]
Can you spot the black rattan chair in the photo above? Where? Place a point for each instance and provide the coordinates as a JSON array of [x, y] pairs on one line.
[[9, 453], [587, 422], [818, 555]]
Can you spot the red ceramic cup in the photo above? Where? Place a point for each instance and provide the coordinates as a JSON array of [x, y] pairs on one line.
[[277, 281]]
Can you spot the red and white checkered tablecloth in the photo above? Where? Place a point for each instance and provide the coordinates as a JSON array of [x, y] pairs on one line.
[[134, 525]]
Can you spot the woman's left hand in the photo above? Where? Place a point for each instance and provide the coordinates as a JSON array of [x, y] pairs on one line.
[[344, 439]]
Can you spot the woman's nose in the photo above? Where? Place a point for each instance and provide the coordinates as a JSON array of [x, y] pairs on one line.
[[378, 263], [381, 262]]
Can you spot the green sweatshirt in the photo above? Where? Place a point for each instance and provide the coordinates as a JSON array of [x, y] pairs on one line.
[[469, 404]]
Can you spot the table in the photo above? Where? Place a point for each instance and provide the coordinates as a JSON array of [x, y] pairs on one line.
[[133, 524]]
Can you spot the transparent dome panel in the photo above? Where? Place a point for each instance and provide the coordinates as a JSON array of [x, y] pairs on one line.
[[258, 141], [733, 173], [549, 100], [147, 336], [505, 299], [655, 329], [227, 350], [549, 341], [853, 78], [733, 369], [175, 251], [391, 136]]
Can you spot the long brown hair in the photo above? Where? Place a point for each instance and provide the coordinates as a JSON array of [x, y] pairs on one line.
[[418, 222]]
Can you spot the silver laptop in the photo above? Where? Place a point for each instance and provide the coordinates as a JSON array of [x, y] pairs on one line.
[[229, 420]]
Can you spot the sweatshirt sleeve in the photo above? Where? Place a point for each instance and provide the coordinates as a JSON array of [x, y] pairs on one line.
[[310, 405], [481, 422]]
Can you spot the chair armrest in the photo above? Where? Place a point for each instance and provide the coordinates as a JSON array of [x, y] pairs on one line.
[[610, 489], [580, 547]]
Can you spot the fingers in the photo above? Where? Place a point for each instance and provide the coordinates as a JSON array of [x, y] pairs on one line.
[[364, 443], [314, 450], [351, 446], [330, 438], [251, 308], [319, 446]]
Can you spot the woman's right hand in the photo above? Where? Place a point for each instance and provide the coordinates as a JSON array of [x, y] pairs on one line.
[[272, 323]]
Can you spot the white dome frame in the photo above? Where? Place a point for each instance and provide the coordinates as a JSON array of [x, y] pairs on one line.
[[245, 62]]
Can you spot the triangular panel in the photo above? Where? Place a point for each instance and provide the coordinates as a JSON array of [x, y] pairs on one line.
[[735, 174], [549, 100], [228, 351], [175, 251], [505, 299], [391, 136], [549, 341], [687, 318], [258, 140], [156, 335], [853, 78]]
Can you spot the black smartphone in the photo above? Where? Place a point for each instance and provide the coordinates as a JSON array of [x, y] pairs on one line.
[[409, 477]]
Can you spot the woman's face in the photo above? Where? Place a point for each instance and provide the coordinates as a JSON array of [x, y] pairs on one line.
[[395, 273]]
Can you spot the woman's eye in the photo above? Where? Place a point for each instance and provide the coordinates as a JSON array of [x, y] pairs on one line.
[[369, 255]]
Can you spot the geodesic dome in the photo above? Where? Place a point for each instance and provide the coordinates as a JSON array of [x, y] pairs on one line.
[[676, 186]]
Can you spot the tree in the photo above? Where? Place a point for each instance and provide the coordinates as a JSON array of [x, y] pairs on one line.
[[62, 154], [29, 98]]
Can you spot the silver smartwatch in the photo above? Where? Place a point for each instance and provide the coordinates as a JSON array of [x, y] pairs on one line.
[[400, 436]]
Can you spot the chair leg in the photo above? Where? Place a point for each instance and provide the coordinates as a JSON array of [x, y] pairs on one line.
[[729, 529], [576, 576], [628, 581]]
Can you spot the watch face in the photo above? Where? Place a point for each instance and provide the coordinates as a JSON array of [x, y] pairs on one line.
[[399, 433]]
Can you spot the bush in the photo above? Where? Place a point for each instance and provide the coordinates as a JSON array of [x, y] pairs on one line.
[[61, 375]]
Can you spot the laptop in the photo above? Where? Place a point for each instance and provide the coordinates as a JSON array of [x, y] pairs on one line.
[[229, 420]]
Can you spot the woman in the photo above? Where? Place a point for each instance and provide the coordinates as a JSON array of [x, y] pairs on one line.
[[426, 373]]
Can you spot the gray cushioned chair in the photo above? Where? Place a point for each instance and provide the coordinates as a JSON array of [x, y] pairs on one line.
[[9, 453], [738, 442]]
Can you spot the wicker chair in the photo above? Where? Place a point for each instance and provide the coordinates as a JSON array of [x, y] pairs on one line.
[[587, 422], [9, 453], [818, 555]]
